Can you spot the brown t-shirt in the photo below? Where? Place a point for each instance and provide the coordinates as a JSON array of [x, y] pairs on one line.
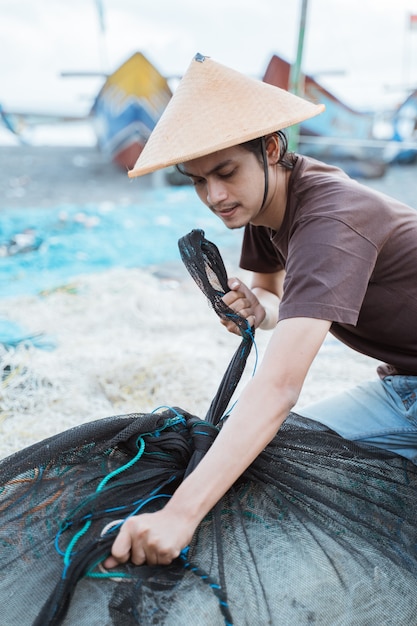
[[350, 256]]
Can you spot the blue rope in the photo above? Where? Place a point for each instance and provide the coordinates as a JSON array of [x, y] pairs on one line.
[[214, 586], [68, 523], [170, 408], [69, 551], [119, 470], [114, 574]]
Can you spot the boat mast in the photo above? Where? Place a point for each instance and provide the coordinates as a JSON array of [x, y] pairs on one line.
[[102, 38], [296, 79]]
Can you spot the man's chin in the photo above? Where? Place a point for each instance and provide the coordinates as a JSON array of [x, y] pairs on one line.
[[234, 224]]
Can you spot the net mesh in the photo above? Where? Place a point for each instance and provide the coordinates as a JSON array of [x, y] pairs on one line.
[[318, 530]]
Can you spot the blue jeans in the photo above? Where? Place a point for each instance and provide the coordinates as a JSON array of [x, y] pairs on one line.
[[381, 413]]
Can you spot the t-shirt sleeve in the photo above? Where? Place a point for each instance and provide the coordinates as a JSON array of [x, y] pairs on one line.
[[258, 252], [328, 270]]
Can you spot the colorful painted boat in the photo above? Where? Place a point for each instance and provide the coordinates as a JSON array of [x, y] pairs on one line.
[[127, 108], [339, 131]]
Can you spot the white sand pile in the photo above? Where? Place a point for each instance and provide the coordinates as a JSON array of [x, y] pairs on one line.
[[126, 341]]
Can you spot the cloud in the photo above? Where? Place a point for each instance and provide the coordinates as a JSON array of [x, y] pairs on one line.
[[41, 39]]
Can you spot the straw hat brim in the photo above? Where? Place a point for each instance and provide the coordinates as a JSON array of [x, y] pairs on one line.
[[214, 108]]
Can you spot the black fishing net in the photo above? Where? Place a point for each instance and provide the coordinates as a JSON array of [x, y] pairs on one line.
[[317, 531]]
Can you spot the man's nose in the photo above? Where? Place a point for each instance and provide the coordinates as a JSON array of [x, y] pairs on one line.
[[216, 193]]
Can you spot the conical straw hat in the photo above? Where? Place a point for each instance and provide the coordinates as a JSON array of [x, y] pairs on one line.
[[215, 107]]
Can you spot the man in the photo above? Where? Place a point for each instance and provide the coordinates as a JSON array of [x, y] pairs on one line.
[[327, 254]]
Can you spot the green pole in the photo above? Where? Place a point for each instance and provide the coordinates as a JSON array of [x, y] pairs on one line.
[[295, 81]]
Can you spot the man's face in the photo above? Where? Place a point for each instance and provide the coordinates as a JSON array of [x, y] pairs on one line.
[[230, 182]]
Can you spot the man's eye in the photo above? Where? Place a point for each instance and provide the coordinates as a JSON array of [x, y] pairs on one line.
[[197, 181], [227, 174]]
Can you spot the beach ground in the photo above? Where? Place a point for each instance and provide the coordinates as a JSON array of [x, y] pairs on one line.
[[42, 176], [49, 176], [126, 341]]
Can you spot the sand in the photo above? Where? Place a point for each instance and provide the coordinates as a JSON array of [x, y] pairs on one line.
[[127, 340]]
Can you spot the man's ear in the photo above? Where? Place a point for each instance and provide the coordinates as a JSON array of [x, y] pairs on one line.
[[272, 148]]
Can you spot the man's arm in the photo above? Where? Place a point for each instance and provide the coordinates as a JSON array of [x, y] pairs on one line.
[[262, 407]]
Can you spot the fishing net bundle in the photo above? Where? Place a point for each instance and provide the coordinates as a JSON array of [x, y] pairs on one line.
[[317, 531], [20, 388]]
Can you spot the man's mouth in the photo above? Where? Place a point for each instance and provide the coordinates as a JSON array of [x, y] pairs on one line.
[[226, 212]]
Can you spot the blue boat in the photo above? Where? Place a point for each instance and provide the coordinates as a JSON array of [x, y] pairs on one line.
[[405, 129]]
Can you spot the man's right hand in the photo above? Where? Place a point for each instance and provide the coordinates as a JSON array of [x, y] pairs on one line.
[[244, 302]]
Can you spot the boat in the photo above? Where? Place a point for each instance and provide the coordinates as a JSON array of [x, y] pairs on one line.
[[127, 108], [404, 123], [340, 132]]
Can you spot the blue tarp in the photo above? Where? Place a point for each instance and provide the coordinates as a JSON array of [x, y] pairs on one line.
[[73, 240]]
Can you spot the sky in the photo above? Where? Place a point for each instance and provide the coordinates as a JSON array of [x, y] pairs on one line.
[[363, 51]]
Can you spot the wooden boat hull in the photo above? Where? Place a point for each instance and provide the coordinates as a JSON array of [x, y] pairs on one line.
[[127, 109], [339, 131]]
